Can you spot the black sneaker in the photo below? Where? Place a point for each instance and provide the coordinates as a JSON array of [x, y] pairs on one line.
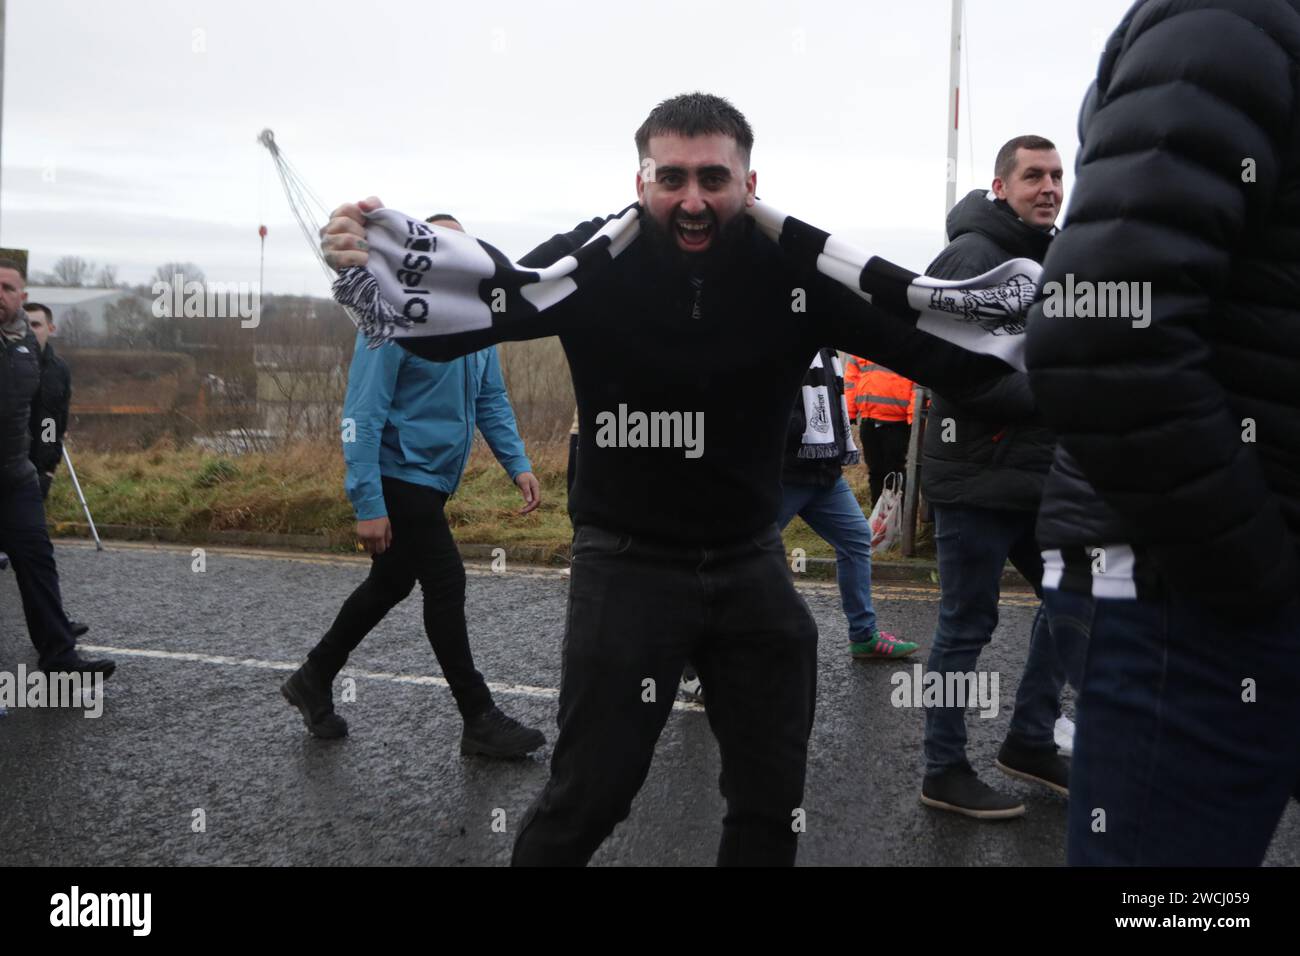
[[78, 629], [493, 734], [1037, 765], [312, 696], [79, 665], [960, 790]]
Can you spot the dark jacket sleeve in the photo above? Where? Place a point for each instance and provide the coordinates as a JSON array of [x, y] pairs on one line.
[[50, 403], [976, 381], [561, 244], [444, 348], [1196, 89]]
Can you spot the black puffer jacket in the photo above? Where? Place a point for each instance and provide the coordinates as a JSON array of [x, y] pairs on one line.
[[1189, 179], [987, 464], [20, 377], [50, 403]]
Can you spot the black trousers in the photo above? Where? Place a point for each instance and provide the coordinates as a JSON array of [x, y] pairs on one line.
[[637, 611], [24, 537], [422, 550], [884, 446]]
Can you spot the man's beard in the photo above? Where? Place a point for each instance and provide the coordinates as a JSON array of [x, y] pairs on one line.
[[726, 242]]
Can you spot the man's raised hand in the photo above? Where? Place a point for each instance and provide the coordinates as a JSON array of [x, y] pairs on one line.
[[343, 240]]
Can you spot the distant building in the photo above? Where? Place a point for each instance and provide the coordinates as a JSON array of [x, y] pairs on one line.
[[79, 312]]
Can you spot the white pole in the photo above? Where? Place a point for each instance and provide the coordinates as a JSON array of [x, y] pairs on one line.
[[954, 102], [72, 473], [911, 493]]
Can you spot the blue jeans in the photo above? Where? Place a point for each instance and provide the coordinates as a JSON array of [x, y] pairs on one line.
[[974, 545], [1187, 735], [835, 515]]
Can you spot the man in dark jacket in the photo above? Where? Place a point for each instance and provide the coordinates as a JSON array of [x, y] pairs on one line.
[[1166, 352], [49, 419], [676, 551], [22, 517], [984, 478]]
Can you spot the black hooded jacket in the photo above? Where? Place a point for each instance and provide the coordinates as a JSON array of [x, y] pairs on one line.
[[986, 464]]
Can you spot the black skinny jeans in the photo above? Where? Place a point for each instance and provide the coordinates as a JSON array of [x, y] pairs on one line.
[[422, 550]]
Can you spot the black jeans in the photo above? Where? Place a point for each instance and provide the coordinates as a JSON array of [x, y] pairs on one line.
[[422, 550], [24, 538], [637, 610], [884, 447]]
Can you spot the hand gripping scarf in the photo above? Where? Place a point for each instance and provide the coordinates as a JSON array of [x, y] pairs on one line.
[[424, 279]]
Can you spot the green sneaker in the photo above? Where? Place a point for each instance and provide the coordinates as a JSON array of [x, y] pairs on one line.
[[882, 644]]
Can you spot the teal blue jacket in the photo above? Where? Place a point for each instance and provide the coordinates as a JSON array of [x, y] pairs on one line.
[[411, 419]]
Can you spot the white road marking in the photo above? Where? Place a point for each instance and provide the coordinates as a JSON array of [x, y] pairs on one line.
[[186, 657]]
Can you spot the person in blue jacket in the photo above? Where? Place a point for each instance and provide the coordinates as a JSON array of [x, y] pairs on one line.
[[408, 425]]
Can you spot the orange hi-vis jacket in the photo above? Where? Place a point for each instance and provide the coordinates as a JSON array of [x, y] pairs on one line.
[[873, 391]]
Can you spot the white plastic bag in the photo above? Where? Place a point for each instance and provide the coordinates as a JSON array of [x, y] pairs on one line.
[[887, 515]]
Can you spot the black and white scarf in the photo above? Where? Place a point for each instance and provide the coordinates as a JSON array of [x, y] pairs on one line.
[[425, 279], [823, 412]]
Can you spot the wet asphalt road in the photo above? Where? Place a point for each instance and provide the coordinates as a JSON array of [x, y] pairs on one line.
[[193, 720]]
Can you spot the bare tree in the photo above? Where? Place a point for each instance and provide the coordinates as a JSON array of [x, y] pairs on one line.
[[302, 370], [73, 326], [73, 271], [107, 278], [168, 271], [127, 321]]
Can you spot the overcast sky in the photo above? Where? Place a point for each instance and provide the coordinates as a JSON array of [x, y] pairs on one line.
[[129, 126]]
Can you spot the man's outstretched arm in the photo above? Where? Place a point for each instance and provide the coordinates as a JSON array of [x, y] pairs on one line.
[[983, 385], [344, 245]]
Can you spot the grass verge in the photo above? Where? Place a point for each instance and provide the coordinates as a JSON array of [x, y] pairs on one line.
[[300, 491]]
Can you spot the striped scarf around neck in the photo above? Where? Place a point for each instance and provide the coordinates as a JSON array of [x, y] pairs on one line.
[[428, 280]]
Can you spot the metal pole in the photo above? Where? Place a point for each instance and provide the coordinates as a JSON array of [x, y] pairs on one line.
[[99, 545], [911, 489], [954, 101]]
